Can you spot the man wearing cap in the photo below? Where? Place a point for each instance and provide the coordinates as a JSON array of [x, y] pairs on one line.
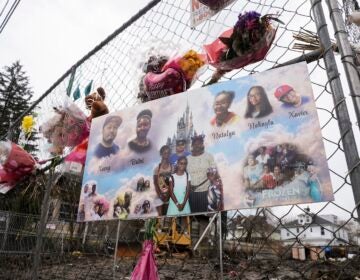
[[179, 151], [289, 97], [198, 164], [107, 146], [141, 143]]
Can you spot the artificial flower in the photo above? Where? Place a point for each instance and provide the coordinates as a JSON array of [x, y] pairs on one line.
[[27, 124]]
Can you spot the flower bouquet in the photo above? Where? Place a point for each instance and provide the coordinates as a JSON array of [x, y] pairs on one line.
[[68, 128], [146, 268], [247, 42], [15, 164]]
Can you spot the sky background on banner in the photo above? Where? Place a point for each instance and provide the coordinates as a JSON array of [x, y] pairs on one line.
[[48, 37]]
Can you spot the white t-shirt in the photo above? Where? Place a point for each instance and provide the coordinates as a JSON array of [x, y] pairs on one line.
[[180, 180], [197, 168]]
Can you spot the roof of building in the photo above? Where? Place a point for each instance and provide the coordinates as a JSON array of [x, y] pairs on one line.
[[316, 220]]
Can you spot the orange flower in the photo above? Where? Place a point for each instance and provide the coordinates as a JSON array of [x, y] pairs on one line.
[[190, 63]]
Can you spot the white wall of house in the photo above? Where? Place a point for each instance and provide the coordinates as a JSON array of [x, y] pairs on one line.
[[315, 234], [240, 232]]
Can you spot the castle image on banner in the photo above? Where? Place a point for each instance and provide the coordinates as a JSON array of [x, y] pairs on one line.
[[184, 131]]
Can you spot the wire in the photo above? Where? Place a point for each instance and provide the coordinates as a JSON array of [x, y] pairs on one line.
[[9, 14], [3, 9]]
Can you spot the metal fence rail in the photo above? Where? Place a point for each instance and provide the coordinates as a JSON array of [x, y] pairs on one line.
[[50, 244]]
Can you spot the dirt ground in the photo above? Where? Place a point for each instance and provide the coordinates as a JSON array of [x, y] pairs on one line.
[[182, 267]]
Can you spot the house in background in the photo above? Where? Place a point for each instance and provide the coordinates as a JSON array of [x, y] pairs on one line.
[[312, 236]]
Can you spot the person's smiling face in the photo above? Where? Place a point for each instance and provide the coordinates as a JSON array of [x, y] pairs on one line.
[[110, 132], [292, 97], [221, 104], [254, 96], [143, 127]]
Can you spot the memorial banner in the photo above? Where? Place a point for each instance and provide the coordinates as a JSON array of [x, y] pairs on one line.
[[245, 143]]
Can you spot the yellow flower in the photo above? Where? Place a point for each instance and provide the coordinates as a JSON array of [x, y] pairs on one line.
[[190, 63], [27, 124]]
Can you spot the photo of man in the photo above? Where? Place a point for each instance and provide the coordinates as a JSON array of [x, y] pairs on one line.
[[221, 107], [107, 146], [289, 97], [141, 143], [198, 164]]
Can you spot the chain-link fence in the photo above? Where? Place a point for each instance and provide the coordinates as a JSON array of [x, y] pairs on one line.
[[44, 241]]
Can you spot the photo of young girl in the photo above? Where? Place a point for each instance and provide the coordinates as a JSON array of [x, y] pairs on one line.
[[258, 104], [180, 190]]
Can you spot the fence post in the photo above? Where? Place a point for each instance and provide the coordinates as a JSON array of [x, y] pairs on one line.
[[347, 54], [116, 249], [347, 135], [220, 245], [41, 227], [6, 232]]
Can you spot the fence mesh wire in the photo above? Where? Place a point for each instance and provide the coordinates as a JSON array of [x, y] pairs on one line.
[[253, 245]]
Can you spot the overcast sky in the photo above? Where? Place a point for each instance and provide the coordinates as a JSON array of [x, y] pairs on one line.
[[48, 37]]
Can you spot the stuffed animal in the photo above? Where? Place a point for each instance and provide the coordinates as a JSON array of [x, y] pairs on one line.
[[95, 103]]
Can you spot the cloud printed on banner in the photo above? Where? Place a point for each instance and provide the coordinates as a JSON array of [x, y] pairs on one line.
[[231, 176]]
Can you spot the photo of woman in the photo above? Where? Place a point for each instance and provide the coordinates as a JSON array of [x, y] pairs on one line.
[[258, 104], [180, 190], [162, 178], [221, 107]]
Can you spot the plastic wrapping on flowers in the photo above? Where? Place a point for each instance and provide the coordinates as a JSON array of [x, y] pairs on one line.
[[146, 268], [247, 42], [67, 128], [15, 164]]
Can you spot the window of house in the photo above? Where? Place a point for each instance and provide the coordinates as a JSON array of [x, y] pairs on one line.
[[308, 219], [322, 231], [297, 230], [310, 229], [301, 221], [287, 234]]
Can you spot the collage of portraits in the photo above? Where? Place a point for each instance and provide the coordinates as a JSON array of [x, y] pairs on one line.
[[251, 142]]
